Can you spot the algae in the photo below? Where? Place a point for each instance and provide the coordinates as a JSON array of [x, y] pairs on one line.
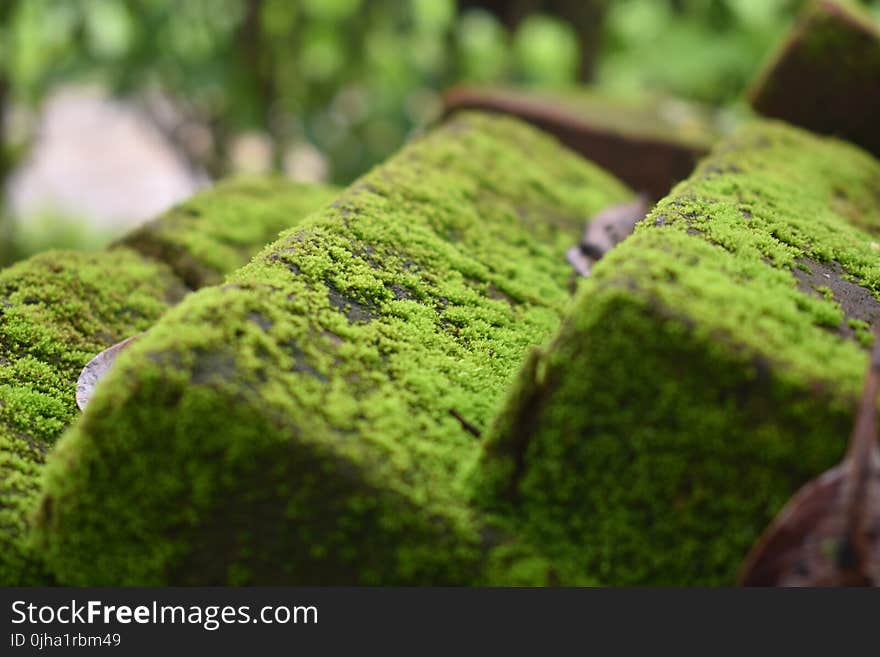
[[696, 383], [302, 423]]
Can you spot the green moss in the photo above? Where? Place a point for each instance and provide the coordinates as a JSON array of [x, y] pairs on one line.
[[862, 330], [300, 423], [20, 468], [696, 383], [213, 233], [58, 309]]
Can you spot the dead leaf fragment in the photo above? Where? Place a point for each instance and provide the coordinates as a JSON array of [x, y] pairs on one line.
[[829, 532], [95, 370], [604, 231]]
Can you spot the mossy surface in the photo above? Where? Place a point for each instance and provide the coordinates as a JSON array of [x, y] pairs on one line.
[[697, 381], [215, 232], [309, 421], [59, 309], [824, 76]]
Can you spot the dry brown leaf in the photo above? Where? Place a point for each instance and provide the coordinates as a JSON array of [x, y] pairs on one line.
[[604, 231], [829, 532], [95, 370]]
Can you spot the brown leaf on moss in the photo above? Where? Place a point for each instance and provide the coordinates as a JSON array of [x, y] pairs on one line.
[[604, 231], [829, 532], [95, 370]]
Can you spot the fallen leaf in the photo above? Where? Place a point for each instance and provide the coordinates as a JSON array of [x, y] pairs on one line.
[[828, 534], [95, 370], [604, 231]]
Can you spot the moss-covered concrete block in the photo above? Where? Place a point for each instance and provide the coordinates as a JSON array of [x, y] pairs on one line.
[[709, 367], [825, 76], [640, 141], [310, 420], [211, 234], [57, 310]]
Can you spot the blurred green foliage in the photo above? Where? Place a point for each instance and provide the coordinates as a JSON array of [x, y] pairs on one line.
[[47, 229], [703, 50], [349, 77], [352, 78]]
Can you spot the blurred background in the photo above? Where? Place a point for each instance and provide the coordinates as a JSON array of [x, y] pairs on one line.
[[113, 110]]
